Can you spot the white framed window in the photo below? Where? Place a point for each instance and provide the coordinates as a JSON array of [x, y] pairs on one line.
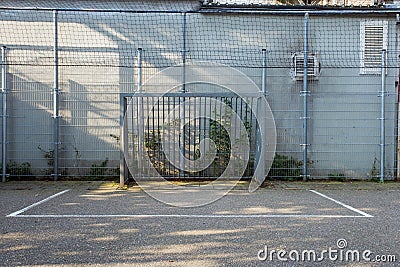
[[373, 39]]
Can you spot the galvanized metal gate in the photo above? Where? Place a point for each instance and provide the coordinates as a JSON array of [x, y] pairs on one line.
[[189, 135]]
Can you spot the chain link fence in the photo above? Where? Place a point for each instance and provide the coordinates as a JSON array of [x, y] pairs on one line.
[[331, 81]]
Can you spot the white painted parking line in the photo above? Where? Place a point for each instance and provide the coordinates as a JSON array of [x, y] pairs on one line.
[[14, 214], [19, 213], [232, 216], [364, 214]]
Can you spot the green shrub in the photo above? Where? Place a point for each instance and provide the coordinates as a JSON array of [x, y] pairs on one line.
[[18, 171], [337, 177], [103, 172], [49, 157], [285, 168]]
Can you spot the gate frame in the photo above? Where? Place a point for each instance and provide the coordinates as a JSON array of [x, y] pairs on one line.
[[124, 171]]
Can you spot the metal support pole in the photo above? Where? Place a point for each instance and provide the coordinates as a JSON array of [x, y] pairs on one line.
[[55, 98], [183, 53], [382, 118], [139, 67], [183, 90], [260, 147], [140, 111], [264, 72], [124, 140], [4, 114], [305, 93]]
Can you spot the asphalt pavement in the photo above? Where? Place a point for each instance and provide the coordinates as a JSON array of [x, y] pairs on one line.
[[282, 224]]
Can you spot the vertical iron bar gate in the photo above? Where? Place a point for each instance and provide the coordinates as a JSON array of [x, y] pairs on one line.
[[157, 136]]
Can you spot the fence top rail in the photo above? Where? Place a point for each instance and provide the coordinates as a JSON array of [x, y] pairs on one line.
[[269, 10], [300, 11], [216, 95], [111, 10]]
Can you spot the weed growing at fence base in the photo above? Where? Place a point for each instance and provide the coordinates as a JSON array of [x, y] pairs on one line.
[[19, 171], [103, 172], [285, 168]]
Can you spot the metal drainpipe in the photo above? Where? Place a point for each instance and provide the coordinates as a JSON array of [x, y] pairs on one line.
[[305, 93], [4, 114], [55, 98], [264, 72], [382, 118]]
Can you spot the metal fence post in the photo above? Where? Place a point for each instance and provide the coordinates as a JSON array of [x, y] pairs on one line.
[[260, 140], [305, 93], [183, 90], [382, 118], [55, 98], [183, 52], [4, 114], [122, 125], [140, 109]]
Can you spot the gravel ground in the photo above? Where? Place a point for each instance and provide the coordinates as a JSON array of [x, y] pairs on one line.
[[211, 240]]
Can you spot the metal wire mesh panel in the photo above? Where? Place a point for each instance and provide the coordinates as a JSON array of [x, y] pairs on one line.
[[331, 82], [28, 90], [347, 116]]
